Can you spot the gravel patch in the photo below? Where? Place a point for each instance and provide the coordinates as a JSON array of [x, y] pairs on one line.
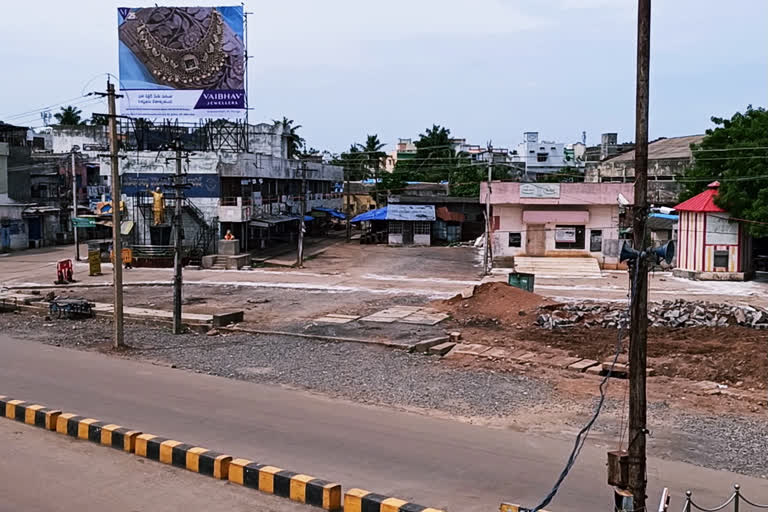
[[380, 376], [366, 374]]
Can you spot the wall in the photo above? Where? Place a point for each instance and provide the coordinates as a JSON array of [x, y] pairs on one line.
[[699, 238], [570, 194], [92, 140], [267, 139], [13, 229], [662, 187], [509, 219]]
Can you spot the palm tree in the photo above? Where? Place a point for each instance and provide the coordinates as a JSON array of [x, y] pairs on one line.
[[373, 158], [69, 116], [295, 141]]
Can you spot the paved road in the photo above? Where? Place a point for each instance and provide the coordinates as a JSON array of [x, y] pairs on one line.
[[46, 472], [436, 462]]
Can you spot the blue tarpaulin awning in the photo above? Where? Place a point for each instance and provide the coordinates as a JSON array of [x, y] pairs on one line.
[[331, 212], [377, 214]]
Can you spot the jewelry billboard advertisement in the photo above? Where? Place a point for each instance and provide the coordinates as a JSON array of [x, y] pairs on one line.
[[182, 63]]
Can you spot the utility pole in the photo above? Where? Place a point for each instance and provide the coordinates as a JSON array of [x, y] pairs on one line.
[[74, 206], [117, 246], [638, 338], [177, 247], [349, 206], [300, 248], [486, 251]]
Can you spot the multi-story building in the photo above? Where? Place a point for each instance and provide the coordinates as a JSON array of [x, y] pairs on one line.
[[542, 157]]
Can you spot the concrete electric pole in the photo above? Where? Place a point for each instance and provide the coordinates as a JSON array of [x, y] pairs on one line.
[[349, 205], [300, 248], [178, 186], [117, 246], [487, 249], [638, 339], [74, 206]]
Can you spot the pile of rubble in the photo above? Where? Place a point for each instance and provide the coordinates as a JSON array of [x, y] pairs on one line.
[[669, 313]]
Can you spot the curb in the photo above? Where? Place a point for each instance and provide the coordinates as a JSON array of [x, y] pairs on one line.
[[297, 487]]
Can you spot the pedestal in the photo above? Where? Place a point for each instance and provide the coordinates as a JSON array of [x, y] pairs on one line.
[[160, 235], [229, 247]]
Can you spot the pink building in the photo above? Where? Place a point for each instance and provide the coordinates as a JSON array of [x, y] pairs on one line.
[[710, 244], [557, 219]]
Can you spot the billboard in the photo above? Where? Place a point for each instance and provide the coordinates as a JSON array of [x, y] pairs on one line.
[[184, 63]]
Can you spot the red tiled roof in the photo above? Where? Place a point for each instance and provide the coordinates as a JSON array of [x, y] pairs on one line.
[[704, 202]]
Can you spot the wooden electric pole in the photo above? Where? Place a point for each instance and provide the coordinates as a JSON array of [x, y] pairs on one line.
[[117, 246], [638, 338], [300, 247]]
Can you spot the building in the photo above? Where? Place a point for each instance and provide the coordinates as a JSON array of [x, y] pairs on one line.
[[542, 157], [360, 197], [556, 219], [668, 159], [458, 219], [711, 246], [256, 195]]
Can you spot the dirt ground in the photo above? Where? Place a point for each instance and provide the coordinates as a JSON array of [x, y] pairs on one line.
[[503, 316]]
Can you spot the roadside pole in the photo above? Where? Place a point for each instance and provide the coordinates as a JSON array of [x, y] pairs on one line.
[[639, 313], [487, 249], [177, 247], [117, 246], [74, 206], [349, 206], [300, 248]]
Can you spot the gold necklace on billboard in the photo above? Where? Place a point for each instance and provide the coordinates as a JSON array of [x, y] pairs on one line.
[[187, 66]]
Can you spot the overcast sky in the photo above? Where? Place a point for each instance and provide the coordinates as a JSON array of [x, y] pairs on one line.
[[486, 69]]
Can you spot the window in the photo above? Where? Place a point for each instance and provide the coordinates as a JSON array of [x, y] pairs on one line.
[[421, 228], [721, 259], [515, 240], [569, 237], [595, 240], [541, 157], [396, 227], [531, 151], [553, 148]]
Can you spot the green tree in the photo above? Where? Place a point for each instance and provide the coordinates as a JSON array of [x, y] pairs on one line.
[[295, 141], [733, 152], [434, 157], [373, 157], [69, 116], [564, 175]]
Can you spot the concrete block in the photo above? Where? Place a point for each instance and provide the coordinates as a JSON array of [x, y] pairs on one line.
[[224, 319], [441, 349], [619, 369], [424, 346], [583, 365], [525, 357], [229, 247], [208, 261], [238, 261], [594, 370]]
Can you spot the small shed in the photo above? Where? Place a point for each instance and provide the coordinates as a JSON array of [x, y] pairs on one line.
[[711, 245], [410, 224]]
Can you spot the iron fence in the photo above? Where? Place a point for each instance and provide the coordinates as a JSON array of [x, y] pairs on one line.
[[737, 499]]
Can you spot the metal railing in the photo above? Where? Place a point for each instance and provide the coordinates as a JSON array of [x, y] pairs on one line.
[[736, 499]]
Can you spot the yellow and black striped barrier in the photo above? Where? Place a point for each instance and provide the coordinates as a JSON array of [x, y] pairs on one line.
[[298, 487], [269, 479], [186, 456], [358, 500]]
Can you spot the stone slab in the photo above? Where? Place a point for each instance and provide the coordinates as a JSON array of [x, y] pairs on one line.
[[496, 353], [525, 357], [583, 365], [424, 319], [224, 319], [441, 349], [471, 349], [595, 370], [562, 361], [348, 317], [379, 319]]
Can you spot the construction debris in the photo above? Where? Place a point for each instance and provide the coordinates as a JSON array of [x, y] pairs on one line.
[[669, 313]]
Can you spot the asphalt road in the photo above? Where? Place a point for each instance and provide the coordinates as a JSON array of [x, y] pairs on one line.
[[436, 462], [45, 472]]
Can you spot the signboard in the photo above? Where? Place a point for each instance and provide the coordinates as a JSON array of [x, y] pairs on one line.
[[94, 263], [565, 235], [182, 63], [540, 190], [721, 230], [201, 185]]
